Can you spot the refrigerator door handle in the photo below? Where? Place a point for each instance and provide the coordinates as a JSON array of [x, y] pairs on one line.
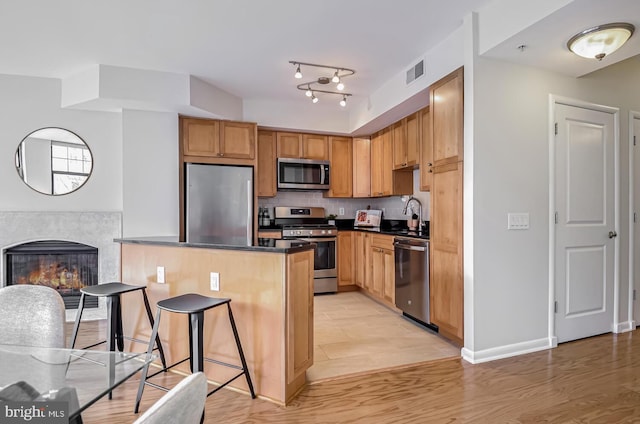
[[249, 213]]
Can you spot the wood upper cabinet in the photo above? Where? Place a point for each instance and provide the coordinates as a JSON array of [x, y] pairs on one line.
[[302, 146], [405, 142], [384, 180], [315, 147], [218, 139], [377, 152], [361, 167], [200, 137], [266, 168], [446, 99], [341, 159], [289, 145], [426, 150], [346, 264], [238, 139]]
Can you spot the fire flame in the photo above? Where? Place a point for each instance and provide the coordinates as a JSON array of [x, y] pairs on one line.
[[53, 274]]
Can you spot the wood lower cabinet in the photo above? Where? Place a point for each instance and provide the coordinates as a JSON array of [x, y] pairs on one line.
[[362, 258], [446, 278], [383, 268], [341, 158], [346, 258], [266, 169]]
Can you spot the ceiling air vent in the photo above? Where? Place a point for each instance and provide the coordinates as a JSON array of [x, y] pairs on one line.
[[415, 72]]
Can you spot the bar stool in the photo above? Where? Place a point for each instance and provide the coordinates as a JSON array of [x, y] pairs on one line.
[[194, 305], [115, 337]]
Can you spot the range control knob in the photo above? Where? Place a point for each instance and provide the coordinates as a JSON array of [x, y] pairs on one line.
[[324, 232]]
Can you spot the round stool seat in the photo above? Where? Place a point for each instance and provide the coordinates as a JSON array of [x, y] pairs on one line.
[[191, 303], [109, 289]]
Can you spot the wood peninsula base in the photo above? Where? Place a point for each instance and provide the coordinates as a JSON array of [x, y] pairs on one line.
[[272, 303]]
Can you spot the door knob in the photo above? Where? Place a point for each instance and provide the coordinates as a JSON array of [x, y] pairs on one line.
[[612, 234]]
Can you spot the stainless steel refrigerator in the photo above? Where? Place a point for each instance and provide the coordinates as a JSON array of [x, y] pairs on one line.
[[219, 204]]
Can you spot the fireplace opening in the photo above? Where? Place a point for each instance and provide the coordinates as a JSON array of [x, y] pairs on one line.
[[63, 265]]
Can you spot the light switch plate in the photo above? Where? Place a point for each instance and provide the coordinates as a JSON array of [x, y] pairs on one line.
[[214, 280], [518, 221], [160, 274], [341, 211]]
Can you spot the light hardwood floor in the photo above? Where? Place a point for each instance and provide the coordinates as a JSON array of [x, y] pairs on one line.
[[353, 334], [595, 380]]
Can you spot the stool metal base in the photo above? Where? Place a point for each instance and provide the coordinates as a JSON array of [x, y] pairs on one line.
[[195, 305], [115, 337]]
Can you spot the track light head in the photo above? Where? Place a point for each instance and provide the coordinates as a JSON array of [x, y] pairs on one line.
[[298, 73], [343, 102], [314, 99], [340, 86], [308, 93], [335, 78]]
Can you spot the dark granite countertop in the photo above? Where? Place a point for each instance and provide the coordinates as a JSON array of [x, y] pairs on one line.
[[389, 227], [264, 245]]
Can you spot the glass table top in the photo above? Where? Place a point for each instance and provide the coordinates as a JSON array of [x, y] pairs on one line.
[[74, 376]]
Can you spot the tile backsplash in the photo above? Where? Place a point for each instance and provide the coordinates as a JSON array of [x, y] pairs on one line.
[[392, 206]]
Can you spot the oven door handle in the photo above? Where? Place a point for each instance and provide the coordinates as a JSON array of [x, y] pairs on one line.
[[316, 240]]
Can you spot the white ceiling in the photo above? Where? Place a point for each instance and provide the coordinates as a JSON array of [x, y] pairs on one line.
[[244, 46], [240, 46]]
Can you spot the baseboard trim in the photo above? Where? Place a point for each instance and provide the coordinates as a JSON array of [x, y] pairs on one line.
[[623, 327], [486, 355]]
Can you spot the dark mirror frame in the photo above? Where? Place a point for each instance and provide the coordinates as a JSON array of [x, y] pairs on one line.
[[53, 161]]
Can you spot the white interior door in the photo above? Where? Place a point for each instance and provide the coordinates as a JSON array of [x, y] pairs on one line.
[[585, 216], [636, 219]]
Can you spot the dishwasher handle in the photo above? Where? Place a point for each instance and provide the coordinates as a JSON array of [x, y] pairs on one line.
[[409, 247]]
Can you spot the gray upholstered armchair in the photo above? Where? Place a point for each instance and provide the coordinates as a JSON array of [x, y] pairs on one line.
[[31, 316]]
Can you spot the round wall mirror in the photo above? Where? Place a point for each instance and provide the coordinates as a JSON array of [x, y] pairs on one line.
[[53, 161]]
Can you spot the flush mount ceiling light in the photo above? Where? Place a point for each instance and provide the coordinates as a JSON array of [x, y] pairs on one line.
[[601, 40], [336, 76]]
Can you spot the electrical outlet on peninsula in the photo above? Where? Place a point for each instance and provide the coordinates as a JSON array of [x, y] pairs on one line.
[[214, 280]]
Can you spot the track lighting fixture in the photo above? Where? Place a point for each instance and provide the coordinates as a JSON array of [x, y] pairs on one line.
[[311, 88]]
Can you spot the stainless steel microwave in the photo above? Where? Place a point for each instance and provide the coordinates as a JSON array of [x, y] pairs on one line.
[[303, 174]]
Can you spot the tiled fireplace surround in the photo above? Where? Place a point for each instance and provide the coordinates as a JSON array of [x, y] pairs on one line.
[[97, 229]]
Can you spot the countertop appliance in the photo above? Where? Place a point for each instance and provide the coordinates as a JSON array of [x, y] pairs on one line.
[[219, 204], [412, 278], [303, 174], [309, 224], [368, 218]]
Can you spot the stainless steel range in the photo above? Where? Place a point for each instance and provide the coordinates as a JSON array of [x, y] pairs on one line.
[[309, 224]]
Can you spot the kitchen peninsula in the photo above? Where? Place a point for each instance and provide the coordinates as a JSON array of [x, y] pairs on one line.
[[272, 301]]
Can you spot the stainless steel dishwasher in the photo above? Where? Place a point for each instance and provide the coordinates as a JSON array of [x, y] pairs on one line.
[[412, 277]]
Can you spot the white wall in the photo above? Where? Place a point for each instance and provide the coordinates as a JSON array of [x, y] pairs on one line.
[[28, 104], [511, 168], [150, 173]]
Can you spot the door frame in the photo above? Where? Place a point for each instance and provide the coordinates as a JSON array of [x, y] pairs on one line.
[[633, 115], [553, 100]]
